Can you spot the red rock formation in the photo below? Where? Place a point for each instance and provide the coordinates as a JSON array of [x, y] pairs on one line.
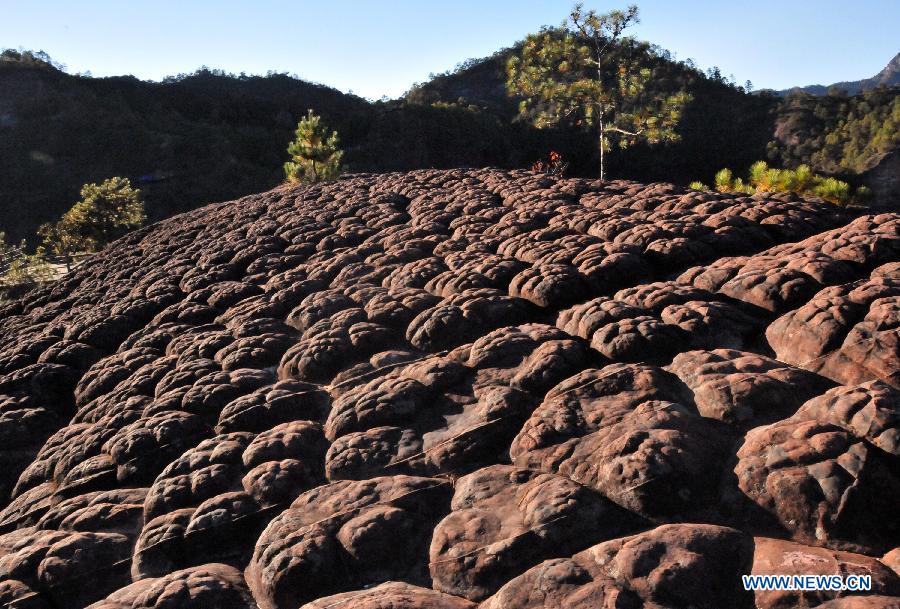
[[438, 388]]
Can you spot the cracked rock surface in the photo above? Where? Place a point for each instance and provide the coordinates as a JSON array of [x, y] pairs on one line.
[[459, 389]]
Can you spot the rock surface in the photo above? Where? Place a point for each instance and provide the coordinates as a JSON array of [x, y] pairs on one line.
[[442, 388], [778, 557], [670, 566]]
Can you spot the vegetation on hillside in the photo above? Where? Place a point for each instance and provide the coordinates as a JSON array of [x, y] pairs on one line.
[[190, 140], [837, 133], [315, 155], [30, 59], [586, 75], [106, 211], [211, 136], [801, 181], [19, 270], [720, 121]]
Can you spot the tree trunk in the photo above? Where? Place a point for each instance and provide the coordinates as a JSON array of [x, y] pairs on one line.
[[602, 138]]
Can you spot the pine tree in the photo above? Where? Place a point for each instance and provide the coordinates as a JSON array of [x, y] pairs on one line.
[[315, 155], [583, 73], [106, 212]]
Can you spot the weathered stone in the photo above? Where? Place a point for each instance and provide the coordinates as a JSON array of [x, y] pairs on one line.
[[849, 333], [825, 485], [678, 565], [506, 519], [613, 431], [745, 389], [211, 585], [289, 383], [397, 595], [344, 535], [778, 557]]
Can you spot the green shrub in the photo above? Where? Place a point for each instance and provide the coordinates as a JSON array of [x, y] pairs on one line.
[[802, 181], [22, 271], [29, 270]]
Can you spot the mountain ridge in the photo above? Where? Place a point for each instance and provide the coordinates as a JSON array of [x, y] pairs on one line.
[[888, 76], [212, 136]]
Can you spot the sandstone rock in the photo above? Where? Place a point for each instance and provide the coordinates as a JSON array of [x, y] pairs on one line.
[[83, 567], [282, 402], [777, 291], [143, 448], [380, 402], [670, 566], [17, 595], [824, 484], [160, 547], [289, 383], [654, 297], [506, 519], [116, 511], [892, 560], [464, 317], [711, 325], [640, 339], [68, 569], [549, 285], [613, 431], [585, 319], [862, 602], [212, 585], [848, 333], [210, 468], [397, 595], [870, 411], [778, 557], [347, 534], [745, 389]]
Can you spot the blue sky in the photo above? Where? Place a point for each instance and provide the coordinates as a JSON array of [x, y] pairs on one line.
[[377, 48]]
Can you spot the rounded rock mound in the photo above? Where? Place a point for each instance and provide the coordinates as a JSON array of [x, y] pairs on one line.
[[458, 389]]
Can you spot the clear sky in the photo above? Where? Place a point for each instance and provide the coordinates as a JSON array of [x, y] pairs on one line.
[[377, 48]]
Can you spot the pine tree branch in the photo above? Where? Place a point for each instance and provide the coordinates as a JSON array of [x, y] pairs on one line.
[[624, 132]]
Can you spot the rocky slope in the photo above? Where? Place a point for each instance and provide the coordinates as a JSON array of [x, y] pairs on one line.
[[459, 389]]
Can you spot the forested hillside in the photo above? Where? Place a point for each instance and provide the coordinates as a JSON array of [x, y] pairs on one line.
[[837, 133], [209, 136], [722, 121], [212, 136]]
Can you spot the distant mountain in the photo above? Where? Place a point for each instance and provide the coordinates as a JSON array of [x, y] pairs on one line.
[[889, 76]]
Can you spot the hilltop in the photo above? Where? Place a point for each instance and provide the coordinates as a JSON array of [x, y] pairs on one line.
[[214, 136], [889, 76], [211, 136], [458, 389]]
